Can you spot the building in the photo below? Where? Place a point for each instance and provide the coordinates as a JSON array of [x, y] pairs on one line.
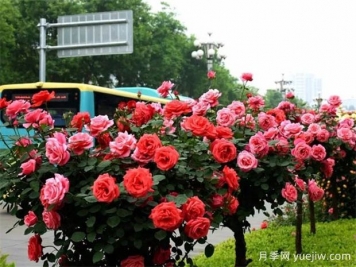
[[349, 104], [306, 86]]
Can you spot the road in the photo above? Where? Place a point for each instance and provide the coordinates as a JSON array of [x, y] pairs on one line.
[[14, 243]]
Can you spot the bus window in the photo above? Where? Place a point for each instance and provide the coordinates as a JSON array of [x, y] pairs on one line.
[[65, 100], [106, 104]]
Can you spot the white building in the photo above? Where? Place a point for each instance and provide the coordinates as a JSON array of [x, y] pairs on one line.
[[306, 86]]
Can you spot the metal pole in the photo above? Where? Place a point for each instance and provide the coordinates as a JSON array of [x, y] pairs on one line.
[[210, 64], [42, 48]]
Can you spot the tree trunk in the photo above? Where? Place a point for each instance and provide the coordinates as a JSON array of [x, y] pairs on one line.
[[298, 230], [240, 246], [312, 216]]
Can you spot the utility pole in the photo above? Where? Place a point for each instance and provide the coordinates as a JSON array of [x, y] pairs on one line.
[[281, 88]]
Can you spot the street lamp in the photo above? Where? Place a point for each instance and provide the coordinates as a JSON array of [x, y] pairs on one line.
[[318, 101], [210, 49], [281, 88]]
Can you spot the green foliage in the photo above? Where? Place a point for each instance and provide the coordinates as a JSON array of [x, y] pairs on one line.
[[3, 261], [332, 238]]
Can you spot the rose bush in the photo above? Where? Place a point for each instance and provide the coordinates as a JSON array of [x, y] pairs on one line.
[[142, 188]]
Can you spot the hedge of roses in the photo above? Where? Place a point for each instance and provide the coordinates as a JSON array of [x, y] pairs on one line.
[[142, 188]]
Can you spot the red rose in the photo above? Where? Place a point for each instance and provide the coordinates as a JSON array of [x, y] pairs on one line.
[[138, 182], [198, 125], [166, 157], [166, 216], [34, 249], [131, 104], [105, 189], [193, 208], [211, 74], [264, 225], [142, 114], [224, 132], [197, 228], [133, 261], [41, 97], [4, 103], [231, 178], [79, 120], [104, 140], [246, 77], [30, 219], [232, 203], [176, 108], [223, 151], [161, 255], [146, 147]]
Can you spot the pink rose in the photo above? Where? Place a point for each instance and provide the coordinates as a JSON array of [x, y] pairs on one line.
[[322, 135], [289, 192], [266, 121], [334, 101], [238, 108], [258, 145], [314, 128], [346, 123], [289, 95], [23, 141], [307, 118], [308, 137], [32, 117], [46, 120], [331, 211], [271, 133], [246, 161], [248, 121], [52, 219], [300, 184], [55, 189], [80, 142], [99, 124], [16, 107], [301, 151], [246, 77], [28, 167], [255, 102], [345, 134], [211, 74], [123, 144], [56, 150], [30, 219], [164, 89], [200, 108], [211, 97], [315, 193], [318, 152], [290, 130], [225, 117]]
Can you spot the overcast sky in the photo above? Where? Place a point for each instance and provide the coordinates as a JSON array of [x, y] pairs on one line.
[[271, 37]]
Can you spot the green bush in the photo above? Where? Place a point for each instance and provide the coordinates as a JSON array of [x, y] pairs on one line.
[[4, 263], [337, 238]]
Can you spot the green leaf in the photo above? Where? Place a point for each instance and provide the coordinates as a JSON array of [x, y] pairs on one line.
[[91, 199], [92, 161], [104, 164], [123, 213], [82, 213], [98, 256], [51, 257], [109, 248], [138, 243], [138, 227], [180, 199], [88, 168], [91, 221], [265, 186], [160, 235], [77, 236], [91, 237], [209, 250], [158, 178], [113, 221]]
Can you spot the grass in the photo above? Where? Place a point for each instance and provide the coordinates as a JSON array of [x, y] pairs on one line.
[[334, 240], [3, 261]]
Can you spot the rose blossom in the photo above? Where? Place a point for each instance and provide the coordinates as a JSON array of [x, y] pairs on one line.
[[318, 152], [264, 225], [232, 203], [146, 148], [266, 121], [246, 161], [166, 216], [282, 146], [200, 108], [197, 228], [346, 123], [176, 108], [314, 128], [238, 108], [193, 208], [315, 193], [289, 192], [32, 117], [270, 134], [334, 101], [133, 261], [80, 142], [99, 124], [79, 120], [345, 134], [166, 157], [290, 129], [231, 178], [30, 219], [56, 149], [41, 97], [301, 151], [226, 117], [246, 77], [52, 219], [211, 97], [308, 137], [54, 189], [123, 144], [138, 182], [142, 114], [248, 121], [300, 184], [34, 249], [4, 103], [198, 125], [223, 151], [322, 135], [161, 255], [211, 74], [16, 107], [105, 188], [307, 118], [23, 141], [255, 102], [28, 167], [217, 201], [258, 145], [223, 132], [289, 95], [164, 89]]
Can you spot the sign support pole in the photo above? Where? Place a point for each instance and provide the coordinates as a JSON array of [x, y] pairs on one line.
[[42, 25]]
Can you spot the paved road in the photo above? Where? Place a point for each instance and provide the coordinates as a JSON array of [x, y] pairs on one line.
[[14, 243]]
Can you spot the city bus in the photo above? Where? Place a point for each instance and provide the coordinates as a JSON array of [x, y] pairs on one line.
[[76, 97]]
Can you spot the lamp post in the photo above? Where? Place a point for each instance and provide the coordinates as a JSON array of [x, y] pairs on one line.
[[209, 49], [318, 101], [281, 88]]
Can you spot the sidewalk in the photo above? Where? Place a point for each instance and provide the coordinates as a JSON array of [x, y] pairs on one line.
[[15, 242]]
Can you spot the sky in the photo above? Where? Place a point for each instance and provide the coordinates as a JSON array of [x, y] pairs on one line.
[[271, 37]]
